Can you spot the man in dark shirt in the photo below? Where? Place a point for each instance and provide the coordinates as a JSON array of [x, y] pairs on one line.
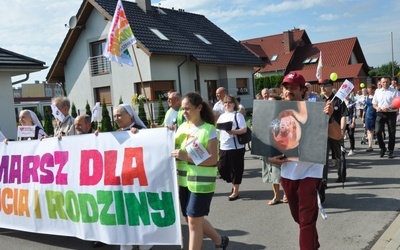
[[339, 114]]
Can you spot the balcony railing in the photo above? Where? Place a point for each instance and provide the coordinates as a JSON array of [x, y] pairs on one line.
[[99, 65]]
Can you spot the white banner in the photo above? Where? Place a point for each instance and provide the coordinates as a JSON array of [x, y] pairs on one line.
[[118, 188]]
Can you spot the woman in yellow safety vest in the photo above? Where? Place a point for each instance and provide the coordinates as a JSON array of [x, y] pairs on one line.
[[197, 182]]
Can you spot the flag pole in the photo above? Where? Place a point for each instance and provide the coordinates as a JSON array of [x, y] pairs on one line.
[[141, 83]]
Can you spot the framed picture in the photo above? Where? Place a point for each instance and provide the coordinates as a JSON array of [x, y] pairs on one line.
[[299, 130]]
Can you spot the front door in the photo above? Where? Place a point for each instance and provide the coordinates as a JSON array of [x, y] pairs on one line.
[[211, 89]]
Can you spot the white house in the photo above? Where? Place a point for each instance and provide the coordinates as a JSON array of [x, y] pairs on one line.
[[175, 50], [13, 64]]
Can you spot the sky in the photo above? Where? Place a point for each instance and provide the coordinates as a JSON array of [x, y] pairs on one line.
[[36, 28]]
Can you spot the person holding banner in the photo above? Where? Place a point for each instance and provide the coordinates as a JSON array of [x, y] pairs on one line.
[[127, 120], [197, 178], [302, 180], [83, 125], [29, 118], [64, 122]]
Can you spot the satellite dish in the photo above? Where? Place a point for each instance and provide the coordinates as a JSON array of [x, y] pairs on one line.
[[72, 22]]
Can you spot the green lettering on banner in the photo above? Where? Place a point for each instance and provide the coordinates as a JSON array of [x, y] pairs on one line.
[[89, 208], [106, 198], [120, 207], [137, 209], [72, 206], [166, 204], [55, 204]]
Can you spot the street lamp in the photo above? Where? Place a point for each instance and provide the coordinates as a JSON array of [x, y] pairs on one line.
[[391, 37]]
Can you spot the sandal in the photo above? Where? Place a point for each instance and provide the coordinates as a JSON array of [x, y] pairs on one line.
[[274, 202], [285, 200]]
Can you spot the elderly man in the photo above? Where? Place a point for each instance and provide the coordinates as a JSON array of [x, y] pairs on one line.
[[218, 108], [83, 125], [66, 126], [301, 180], [265, 94], [174, 116]]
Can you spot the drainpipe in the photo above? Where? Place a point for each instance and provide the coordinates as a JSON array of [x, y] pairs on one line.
[[23, 80], [179, 74], [254, 85]]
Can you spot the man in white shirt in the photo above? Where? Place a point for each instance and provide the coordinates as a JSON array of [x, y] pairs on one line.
[[385, 114], [302, 180], [218, 108]]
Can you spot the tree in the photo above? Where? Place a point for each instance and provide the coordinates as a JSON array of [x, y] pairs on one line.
[[48, 121], [161, 112], [73, 111], [106, 120], [142, 113], [385, 70], [88, 109]]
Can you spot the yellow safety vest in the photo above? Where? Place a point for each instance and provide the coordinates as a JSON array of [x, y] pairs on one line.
[[198, 179]]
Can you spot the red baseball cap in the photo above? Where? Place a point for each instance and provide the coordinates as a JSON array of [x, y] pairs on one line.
[[294, 79]]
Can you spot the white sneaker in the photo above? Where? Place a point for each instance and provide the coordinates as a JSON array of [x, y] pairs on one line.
[[351, 152]]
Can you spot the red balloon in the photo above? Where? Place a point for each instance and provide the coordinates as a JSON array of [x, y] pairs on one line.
[[396, 102]]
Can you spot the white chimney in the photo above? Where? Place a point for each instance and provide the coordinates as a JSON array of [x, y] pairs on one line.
[[145, 5]]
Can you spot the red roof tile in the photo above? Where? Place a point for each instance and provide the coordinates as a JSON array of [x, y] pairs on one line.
[[274, 45], [345, 56]]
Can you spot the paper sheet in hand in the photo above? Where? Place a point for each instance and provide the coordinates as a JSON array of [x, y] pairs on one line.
[[196, 151], [26, 131], [57, 113]]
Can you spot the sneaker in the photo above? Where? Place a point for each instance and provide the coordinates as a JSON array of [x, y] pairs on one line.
[[351, 152], [390, 155], [369, 149], [224, 243]]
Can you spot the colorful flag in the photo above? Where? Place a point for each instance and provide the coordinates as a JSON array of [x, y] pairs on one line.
[[120, 37], [319, 68]]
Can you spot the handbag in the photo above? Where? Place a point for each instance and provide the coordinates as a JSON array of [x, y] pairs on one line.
[[244, 138]]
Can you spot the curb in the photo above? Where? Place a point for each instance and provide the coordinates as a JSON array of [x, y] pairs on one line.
[[390, 239]]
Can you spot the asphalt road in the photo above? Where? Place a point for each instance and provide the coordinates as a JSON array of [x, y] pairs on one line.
[[358, 214]]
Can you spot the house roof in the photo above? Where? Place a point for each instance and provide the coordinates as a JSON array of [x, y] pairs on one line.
[[344, 56], [268, 46], [11, 61], [178, 26]]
